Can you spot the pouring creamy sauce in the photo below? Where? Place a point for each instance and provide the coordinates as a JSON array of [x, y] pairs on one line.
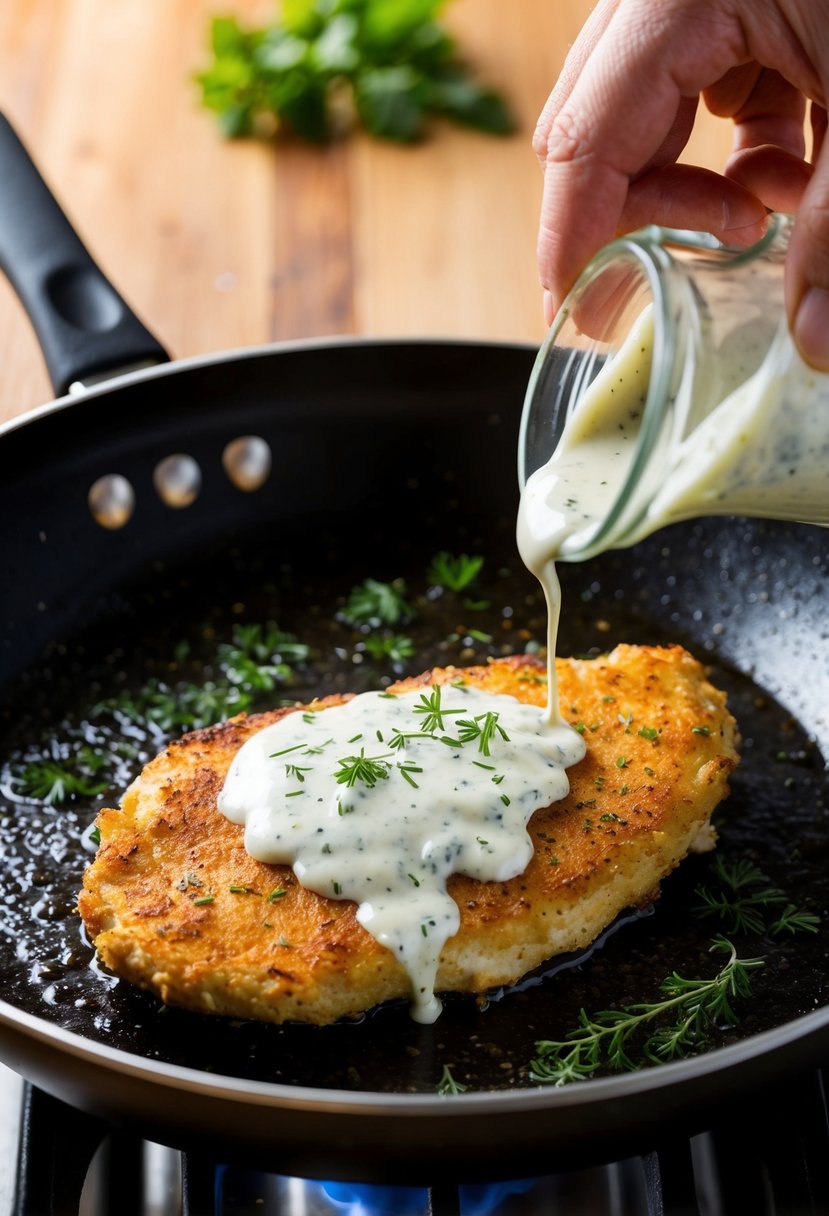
[[381, 799], [742, 444]]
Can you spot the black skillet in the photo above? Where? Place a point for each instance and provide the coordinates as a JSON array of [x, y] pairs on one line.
[[383, 452]]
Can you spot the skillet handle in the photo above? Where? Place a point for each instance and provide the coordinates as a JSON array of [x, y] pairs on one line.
[[83, 326]]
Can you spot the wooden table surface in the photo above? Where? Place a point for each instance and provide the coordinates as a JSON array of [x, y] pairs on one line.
[[221, 244]]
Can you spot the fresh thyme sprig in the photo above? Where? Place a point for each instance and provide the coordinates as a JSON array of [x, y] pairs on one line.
[[745, 897], [447, 1083], [367, 770], [695, 1007], [432, 710], [483, 728], [794, 920]]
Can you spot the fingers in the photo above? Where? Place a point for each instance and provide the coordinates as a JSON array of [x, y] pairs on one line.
[[617, 117], [769, 144], [685, 196], [807, 270], [807, 264], [580, 52], [772, 175], [765, 107]]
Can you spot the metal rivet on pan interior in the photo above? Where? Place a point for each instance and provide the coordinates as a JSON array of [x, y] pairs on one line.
[[177, 480], [111, 500], [247, 462]]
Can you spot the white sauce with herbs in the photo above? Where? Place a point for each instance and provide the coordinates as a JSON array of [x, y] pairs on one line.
[[381, 799]]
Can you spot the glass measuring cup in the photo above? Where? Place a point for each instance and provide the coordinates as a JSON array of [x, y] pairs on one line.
[[668, 387]]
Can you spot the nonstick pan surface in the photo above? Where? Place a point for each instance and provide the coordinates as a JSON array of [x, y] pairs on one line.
[[383, 454]]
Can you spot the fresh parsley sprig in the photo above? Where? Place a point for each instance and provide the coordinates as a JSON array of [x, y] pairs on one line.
[[258, 658], [54, 781], [390, 66], [375, 603], [690, 1010], [453, 573], [396, 647]]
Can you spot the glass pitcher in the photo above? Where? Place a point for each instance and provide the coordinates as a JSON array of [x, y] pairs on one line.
[[669, 387]]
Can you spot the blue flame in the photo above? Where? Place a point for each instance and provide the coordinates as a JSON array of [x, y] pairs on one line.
[[364, 1199]]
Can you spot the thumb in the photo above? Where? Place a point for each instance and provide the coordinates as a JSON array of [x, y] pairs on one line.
[[807, 266]]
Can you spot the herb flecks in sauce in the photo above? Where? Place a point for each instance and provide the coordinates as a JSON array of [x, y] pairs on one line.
[[399, 820]]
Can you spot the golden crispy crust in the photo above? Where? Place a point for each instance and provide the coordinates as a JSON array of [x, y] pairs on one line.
[[635, 807]]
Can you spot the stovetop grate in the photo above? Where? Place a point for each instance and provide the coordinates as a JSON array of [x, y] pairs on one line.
[[770, 1159]]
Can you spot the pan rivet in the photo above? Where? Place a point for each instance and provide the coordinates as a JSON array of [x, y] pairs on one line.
[[247, 462], [111, 500], [177, 480]]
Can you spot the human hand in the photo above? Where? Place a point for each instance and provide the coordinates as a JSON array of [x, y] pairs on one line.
[[624, 107]]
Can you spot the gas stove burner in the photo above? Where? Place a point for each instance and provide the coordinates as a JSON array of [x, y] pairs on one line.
[[367, 1199], [765, 1157]]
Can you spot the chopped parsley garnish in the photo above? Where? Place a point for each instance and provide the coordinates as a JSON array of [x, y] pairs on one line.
[[454, 573], [374, 603], [396, 647]]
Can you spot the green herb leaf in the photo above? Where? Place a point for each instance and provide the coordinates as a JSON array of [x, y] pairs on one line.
[[742, 895], [433, 712], [453, 573], [483, 728], [374, 603], [390, 63], [393, 646], [447, 1083], [54, 781], [366, 770]]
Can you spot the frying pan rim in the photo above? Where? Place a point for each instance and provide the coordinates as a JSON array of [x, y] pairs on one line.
[[378, 1103], [241, 354]]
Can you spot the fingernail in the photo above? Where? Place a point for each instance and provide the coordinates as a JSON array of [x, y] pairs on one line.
[[549, 308], [811, 328]]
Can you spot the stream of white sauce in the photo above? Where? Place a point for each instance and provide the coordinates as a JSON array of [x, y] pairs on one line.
[[438, 796]]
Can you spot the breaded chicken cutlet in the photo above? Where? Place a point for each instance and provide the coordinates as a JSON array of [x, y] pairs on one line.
[[175, 904]]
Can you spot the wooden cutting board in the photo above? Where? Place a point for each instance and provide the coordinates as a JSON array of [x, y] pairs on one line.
[[220, 245]]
